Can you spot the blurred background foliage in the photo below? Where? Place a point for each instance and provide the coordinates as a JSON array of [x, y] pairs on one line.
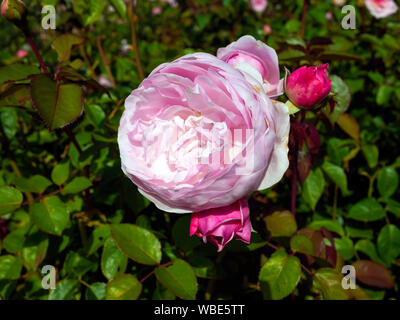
[[64, 200]]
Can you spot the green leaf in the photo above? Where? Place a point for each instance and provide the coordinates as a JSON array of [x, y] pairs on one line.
[[50, 215], [330, 225], [119, 5], [389, 243], [329, 283], [371, 154], [14, 241], [337, 175], [64, 44], [123, 287], [384, 94], [37, 184], [60, 173], [180, 234], [96, 9], [366, 210], [281, 223], [388, 182], [313, 187], [179, 278], [77, 185], [75, 265], [58, 104], [280, 275], [10, 267], [368, 247], [96, 291], [9, 122], [10, 199], [113, 261], [342, 98], [359, 233], [15, 72], [95, 114], [344, 247], [98, 238], [393, 207], [137, 243], [65, 290], [34, 250], [300, 243]]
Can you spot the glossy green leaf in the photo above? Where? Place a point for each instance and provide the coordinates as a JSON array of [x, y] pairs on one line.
[[345, 247], [368, 209], [393, 207], [368, 248], [330, 225], [280, 275], [300, 243], [95, 114], [34, 250], [388, 182], [337, 175], [15, 72], [389, 243], [119, 5], [75, 265], [36, 183], [342, 98], [179, 278], [14, 241], [137, 243], [60, 173], [96, 291], [50, 215], [58, 104], [371, 154], [329, 283], [65, 290], [10, 199], [281, 223], [10, 267], [113, 261], [9, 122], [123, 287], [64, 44], [313, 187], [77, 185]]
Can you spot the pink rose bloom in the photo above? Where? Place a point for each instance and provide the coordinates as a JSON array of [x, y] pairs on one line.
[[308, 86], [259, 5], [221, 225], [255, 59], [199, 134], [329, 15], [381, 8], [22, 53]]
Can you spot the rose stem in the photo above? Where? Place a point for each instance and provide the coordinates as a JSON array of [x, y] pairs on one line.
[[303, 18]]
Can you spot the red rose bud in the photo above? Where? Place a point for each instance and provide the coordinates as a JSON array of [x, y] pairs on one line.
[[308, 86], [14, 11]]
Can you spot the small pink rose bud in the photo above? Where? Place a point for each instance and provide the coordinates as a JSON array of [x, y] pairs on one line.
[[308, 86], [220, 225], [259, 5], [14, 11], [329, 15], [156, 10]]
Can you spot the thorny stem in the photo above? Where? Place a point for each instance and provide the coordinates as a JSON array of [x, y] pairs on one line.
[[105, 61], [36, 52], [335, 199]]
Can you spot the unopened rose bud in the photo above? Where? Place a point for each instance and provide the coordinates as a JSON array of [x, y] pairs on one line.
[[14, 11], [308, 86]]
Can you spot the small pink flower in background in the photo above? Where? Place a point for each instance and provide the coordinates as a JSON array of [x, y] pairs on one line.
[[103, 80], [156, 10], [22, 53], [329, 15], [308, 86], [267, 29], [259, 5], [381, 8], [221, 225]]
